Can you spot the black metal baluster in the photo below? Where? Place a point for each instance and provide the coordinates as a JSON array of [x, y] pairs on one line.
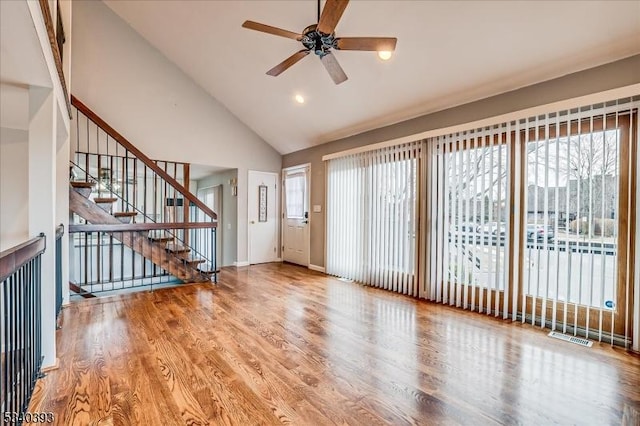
[[86, 157], [99, 258], [111, 257], [59, 272], [215, 254], [5, 339], [155, 209], [135, 184], [13, 346], [125, 178], [23, 375]]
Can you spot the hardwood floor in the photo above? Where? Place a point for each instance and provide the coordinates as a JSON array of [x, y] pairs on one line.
[[280, 344]]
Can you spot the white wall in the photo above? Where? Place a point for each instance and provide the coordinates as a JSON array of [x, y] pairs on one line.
[[14, 177], [42, 180], [14, 195], [35, 134], [150, 101]]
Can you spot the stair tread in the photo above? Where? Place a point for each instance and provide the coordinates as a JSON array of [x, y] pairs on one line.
[[125, 214], [99, 200], [177, 248], [161, 239], [193, 259], [82, 184]]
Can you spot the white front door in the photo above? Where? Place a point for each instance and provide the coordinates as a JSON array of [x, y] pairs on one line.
[[295, 235], [263, 217]]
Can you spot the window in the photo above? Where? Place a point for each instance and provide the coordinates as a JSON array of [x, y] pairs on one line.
[[295, 186]]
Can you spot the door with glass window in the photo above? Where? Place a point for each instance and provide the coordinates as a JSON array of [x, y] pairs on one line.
[[577, 222], [295, 238]]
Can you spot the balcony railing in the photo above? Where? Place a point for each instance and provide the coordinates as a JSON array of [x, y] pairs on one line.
[[20, 323]]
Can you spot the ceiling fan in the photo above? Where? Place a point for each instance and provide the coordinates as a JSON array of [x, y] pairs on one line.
[[320, 38]]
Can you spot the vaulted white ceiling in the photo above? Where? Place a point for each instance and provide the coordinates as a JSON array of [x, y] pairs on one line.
[[448, 53]]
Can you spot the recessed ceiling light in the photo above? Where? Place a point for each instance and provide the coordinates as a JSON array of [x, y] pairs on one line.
[[384, 55], [299, 99]]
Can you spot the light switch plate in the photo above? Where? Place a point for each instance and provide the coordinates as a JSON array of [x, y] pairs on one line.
[[317, 208]]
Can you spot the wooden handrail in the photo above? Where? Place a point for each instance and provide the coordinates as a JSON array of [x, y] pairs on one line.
[[149, 226], [48, 22], [12, 259], [140, 155]]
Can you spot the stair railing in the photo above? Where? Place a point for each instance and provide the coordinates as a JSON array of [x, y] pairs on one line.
[[149, 191], [129, 207]]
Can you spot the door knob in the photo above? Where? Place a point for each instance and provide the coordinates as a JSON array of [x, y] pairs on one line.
[[252, 222], [305, 221]]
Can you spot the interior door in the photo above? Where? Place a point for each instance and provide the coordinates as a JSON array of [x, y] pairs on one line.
[[263, 214], [295, 236]]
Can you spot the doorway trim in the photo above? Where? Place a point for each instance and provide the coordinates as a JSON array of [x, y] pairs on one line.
[[278, 255]]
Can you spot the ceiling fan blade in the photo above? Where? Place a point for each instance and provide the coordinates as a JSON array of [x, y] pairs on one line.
[[333, 68], [367, 43], [271, 30], [333, 10], [287, 63]]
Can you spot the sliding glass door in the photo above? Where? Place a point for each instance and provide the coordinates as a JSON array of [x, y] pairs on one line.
[[533, 220], [372, 217], [471, 223], [576, 210]]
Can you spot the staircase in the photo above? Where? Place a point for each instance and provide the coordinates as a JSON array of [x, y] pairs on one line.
[[163, 252], [132, 215]]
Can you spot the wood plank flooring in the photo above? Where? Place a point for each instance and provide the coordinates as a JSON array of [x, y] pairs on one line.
[[278, 344]]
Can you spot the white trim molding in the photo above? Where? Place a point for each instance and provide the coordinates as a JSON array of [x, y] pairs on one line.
[[240, 264], [316, 268], [594, 98]]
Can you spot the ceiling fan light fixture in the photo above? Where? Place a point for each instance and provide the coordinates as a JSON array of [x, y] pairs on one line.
[[385, 55], [321, 40]]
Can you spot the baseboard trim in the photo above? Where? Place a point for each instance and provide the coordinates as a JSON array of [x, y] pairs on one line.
[[240, 264], [52, 367], [316, 268]]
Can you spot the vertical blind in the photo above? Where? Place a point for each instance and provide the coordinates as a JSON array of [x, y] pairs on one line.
[[371, 217], [577, 205], [533, 219], [469, 227]]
